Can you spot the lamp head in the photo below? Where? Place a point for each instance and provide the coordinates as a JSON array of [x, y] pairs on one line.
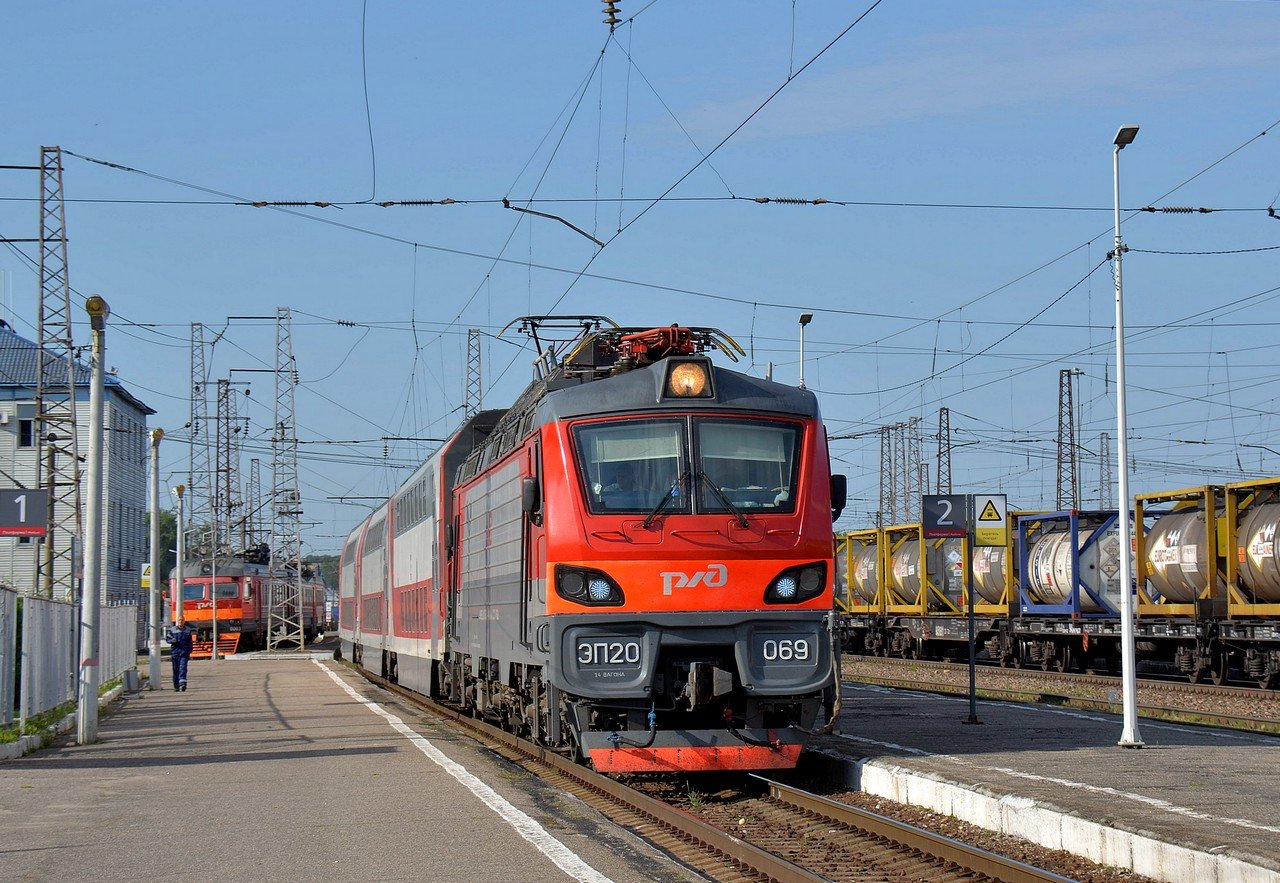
[[98, 311], [1125, 136], [805, 318]]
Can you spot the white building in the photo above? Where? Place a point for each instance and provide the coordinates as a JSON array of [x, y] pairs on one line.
[[124, 475]]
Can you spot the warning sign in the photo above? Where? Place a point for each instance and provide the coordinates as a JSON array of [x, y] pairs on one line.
[[992, 527], [146, 576]]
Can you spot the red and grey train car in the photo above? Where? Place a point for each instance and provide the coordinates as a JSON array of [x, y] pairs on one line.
[[632, 564]]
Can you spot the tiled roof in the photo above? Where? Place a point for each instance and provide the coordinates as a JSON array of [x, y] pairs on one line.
[[18, 366]]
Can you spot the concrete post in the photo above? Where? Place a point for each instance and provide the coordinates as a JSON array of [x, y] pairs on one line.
[[91, 599], [157, 615]]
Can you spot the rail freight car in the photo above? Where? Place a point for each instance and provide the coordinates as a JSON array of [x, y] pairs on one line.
[[631, 565], [240, 590], [1206, 590]]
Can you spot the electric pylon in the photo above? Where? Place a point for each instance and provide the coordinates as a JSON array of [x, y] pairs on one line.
[[285, 623], [57, 447]]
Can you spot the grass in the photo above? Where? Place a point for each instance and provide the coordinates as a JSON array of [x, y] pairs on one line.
[[38, 723]]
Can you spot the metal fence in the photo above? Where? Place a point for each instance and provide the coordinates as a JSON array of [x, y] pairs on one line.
[[118, 643], [49, 648], [40, 654], [8, 654]]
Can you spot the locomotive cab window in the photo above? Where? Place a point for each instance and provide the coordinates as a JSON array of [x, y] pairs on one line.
[[751, 463], [629, 466], [194, 591], [228, 590]]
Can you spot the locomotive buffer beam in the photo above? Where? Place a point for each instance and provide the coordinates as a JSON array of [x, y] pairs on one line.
[[707, 682]]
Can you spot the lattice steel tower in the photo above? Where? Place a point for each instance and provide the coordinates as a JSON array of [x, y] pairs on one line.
[[944, 450], [913, 471], [1068, 490], [226, 497], [475, 378], [887, 504], [1106, 491], [199, 494], [57, 448], [252, 520], [285, 618]]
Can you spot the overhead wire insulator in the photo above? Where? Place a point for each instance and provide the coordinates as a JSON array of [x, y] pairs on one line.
[[1177, 209], [789, 200], [610, 13]]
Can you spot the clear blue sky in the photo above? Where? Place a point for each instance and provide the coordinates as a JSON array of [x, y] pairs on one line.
[[941, 103]]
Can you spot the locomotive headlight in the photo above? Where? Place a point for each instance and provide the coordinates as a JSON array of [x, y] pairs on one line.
[[592, 588], [797, 584], [688, 380]]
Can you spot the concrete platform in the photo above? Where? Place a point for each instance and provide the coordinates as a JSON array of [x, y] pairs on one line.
[[1196, 804], [295, 769]]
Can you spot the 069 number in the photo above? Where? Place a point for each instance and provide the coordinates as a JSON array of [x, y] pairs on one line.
[[786, 650]]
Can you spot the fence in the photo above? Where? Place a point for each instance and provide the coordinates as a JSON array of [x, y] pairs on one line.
[[47, 634], [118, 644], [50, 641], [8, 653]]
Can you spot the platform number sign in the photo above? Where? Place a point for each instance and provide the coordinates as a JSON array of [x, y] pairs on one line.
[[23, 512], [944, 515]]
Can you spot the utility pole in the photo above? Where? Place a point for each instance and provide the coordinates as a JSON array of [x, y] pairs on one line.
[[285, 620], [91, 600], [475, 377], [200, 483], [912, 471], [252, 521], [886, 477], [1068, 489], [1106, 491], [944, 450], [56, 392], [156, 615]]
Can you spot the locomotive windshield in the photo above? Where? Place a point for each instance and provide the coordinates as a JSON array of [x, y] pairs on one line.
[[629, 466]]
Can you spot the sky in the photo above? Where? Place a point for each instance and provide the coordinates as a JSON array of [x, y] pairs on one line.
[[965, 151]]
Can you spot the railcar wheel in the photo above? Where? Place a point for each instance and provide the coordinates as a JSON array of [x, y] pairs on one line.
[[1062, 660], [1196, 676], [1218, 675], [1268, 681]]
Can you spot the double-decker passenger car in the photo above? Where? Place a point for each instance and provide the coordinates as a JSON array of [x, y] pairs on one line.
[[632, 564]]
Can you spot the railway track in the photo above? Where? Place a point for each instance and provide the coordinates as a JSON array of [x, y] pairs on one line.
[[1161, 699], [782, 833]]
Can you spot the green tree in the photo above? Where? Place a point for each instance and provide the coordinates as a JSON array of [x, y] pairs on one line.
[[327, 565], [168, 542]]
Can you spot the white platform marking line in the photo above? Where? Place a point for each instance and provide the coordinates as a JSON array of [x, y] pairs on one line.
[[564, 858], [1208, 733], [1097, 789]]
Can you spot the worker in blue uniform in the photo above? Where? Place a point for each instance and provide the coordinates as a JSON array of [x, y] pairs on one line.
[[179, 652]]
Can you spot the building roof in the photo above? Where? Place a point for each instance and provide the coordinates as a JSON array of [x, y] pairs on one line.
[[19, 359]]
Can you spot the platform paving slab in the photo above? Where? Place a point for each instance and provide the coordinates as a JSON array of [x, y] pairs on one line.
[[270, 770], [1196, 804]]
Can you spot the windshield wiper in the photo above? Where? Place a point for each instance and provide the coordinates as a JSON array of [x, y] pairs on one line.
[[666, 498], [742, 519]]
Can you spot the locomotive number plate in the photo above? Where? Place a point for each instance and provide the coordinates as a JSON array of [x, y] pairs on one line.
[[608, 653], [785, 650]]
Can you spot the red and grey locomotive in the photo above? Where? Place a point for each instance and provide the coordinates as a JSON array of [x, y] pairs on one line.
[[632, 564]]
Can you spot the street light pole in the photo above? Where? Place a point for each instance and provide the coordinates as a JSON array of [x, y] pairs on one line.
[[1129, 737], [91, 598], [179, 569], [157, 616], [805, 319]]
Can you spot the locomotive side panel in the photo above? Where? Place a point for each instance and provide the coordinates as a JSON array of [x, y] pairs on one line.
[[492, 604]]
